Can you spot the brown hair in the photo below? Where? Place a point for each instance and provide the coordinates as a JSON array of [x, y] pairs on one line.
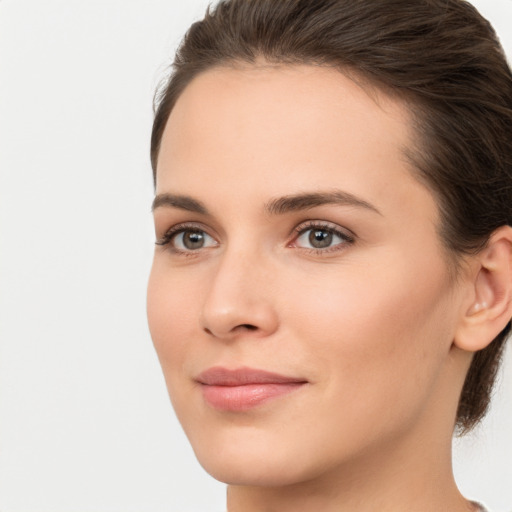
[[440, 56]]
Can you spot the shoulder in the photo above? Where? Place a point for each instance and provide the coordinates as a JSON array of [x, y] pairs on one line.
[[480, 508]]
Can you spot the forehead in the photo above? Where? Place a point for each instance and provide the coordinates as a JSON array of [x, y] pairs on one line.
[[274, 130], [291, 103], [263, 94]]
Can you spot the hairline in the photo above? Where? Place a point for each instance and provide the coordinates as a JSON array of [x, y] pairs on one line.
[[411, 102]]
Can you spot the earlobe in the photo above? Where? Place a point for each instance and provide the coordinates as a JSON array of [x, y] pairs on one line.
[[491, 307]]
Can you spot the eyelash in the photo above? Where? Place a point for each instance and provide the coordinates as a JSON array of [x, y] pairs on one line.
[[348, 238], [169, 235]]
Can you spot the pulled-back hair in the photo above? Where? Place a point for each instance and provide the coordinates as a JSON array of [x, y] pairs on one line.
[[439, 56]]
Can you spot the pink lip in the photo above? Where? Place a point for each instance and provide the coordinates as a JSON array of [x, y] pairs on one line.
[[244, 388]]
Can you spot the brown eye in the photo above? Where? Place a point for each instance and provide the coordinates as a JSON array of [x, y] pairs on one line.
[[192, 240], [320, 238]]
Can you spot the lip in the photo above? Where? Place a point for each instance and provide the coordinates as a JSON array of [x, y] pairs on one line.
[[244, 388]]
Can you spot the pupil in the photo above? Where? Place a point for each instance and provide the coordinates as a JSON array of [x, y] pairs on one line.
[[320, 238], [193, 240]]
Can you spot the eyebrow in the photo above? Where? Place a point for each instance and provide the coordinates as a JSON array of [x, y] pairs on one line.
[[278, 206], [181, 202], [298, 202]]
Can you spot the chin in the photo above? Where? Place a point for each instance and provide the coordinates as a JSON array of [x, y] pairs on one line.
[[246, 471], [251, 462]]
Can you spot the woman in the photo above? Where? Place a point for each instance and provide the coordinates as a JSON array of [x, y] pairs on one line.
[[332, 283]]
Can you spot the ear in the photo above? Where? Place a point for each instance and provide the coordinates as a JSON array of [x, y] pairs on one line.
[[490, 297]]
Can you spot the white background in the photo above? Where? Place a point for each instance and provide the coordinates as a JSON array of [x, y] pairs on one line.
[[85, 422]]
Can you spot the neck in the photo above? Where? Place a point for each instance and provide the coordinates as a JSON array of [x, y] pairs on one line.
[[387, 482], [411, 471]]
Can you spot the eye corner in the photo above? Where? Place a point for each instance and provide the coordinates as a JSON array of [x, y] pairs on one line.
[[199, 239]]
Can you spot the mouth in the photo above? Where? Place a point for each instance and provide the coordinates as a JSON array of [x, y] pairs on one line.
[[243, 389]]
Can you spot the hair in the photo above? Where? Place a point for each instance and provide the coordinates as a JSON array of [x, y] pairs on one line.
[[440, 56]]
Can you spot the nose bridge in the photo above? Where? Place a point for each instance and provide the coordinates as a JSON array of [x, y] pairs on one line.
[[238, 296]]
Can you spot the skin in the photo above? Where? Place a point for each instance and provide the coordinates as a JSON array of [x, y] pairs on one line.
[[369, 321]]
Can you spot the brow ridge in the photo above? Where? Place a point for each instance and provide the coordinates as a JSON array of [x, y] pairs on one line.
[[182, 202], [306, 201], [277, 206]]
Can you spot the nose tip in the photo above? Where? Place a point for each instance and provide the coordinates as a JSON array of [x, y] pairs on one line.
[[236, 329], [239, 320], [238, 302]]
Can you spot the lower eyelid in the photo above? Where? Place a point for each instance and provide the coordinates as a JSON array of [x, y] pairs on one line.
[[170, 244], [344, 238]]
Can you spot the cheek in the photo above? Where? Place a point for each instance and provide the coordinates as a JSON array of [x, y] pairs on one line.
[[379, 335], [171, 313]]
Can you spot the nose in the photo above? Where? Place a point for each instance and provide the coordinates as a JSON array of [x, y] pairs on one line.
[[239, 299]]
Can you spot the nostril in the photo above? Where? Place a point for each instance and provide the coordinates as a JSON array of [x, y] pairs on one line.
[[249, 327]]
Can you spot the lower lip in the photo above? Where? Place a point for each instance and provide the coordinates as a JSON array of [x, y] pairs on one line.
[[247, 396]]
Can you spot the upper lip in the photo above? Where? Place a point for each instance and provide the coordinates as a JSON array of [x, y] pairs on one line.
[[219, 376]]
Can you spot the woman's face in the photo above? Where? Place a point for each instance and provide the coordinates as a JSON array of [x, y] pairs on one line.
[[300, 300]]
